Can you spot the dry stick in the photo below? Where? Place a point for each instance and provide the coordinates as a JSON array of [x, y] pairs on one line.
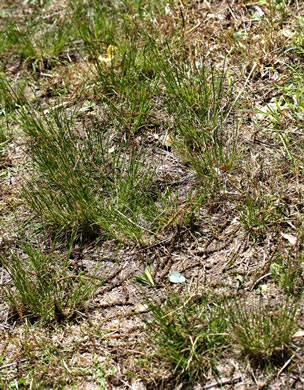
[[153, 245], [234, 185], [12, 364], [259, 280], [176, 214], [241, 91], [78, 277], [133, 223], [222, 382], [195, 27], [285, 365]]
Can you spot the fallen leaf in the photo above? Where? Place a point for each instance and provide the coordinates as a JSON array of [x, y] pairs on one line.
[[176, 277], [289, 237], [299, 333], [167, 141], [257, 12]]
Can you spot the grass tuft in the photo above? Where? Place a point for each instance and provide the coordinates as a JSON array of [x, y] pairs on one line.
[[85, 182], [43, 285], [263, 333], [188, 333]]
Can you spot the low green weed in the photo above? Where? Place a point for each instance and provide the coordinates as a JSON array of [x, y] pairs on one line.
[[100, 375], [297, 39], [288, 273]]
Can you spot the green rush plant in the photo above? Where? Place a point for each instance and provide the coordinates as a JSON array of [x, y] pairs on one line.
[[129, 86], [197, 98], [258, 213], [187, 333], [43, 286], [83, 181], [41, 47], [263, 333], [127, 80]]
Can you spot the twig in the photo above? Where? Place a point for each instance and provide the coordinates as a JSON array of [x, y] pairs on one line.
[[133, 223], [241, 91], [285, 365], [80, 277], [258, 280], [12, 364], [175, 215], [223, 382], [195, 27], [154, 245]]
